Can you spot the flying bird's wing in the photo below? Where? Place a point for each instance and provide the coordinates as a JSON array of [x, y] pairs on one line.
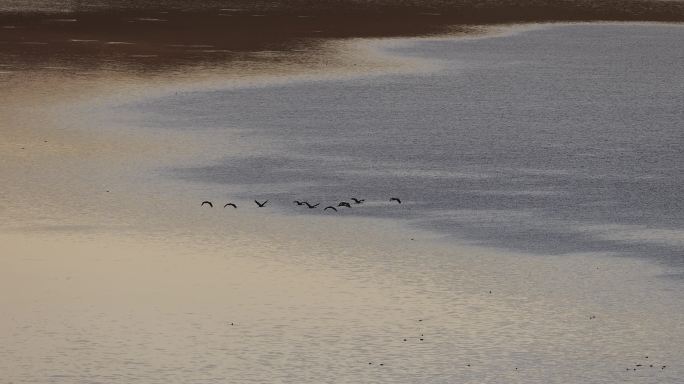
[[207, 202]]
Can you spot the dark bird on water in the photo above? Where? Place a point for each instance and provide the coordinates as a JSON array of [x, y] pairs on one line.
[[344, 204], [311, 206], [395, 199], [230, 205], [261, 205], [357, 201], [208, 203], [330, 207], [299, 202]]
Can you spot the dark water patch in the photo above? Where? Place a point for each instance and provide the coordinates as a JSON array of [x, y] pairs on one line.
[[159, 29], [555, 141]]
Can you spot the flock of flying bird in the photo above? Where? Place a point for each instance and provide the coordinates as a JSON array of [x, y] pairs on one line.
[[346, 204]]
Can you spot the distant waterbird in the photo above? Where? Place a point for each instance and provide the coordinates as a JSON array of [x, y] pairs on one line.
[[299, 202], [261, 205], [357, 201], [311, 206], [230, 205], [330, 207], [395, 199], [208, 203], [344, 204]]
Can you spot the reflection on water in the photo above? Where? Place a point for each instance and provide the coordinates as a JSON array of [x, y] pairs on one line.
[[533, 139], [272, 308], [520, 142], [155, 26]]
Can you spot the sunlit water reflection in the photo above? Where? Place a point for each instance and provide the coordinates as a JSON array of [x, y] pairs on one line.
[[552, 146]]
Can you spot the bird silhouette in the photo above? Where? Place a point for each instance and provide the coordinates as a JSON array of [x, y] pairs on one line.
[[299, 202], [261, 205], [207, 202], [311, 206], [395, 199], [330, 207], [344, 204], [230, 205], [358, 201]]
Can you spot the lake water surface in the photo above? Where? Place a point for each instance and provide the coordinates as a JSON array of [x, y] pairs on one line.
[[539, 156], [555, 140]]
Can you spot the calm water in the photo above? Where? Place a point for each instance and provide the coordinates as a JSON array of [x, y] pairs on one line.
[[557, 140], [552, 142]]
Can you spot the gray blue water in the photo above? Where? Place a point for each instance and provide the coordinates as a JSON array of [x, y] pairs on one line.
[[557, 140]]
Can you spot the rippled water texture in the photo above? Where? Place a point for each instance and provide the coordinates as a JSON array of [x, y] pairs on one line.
[[557, 140], [562, 142]]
